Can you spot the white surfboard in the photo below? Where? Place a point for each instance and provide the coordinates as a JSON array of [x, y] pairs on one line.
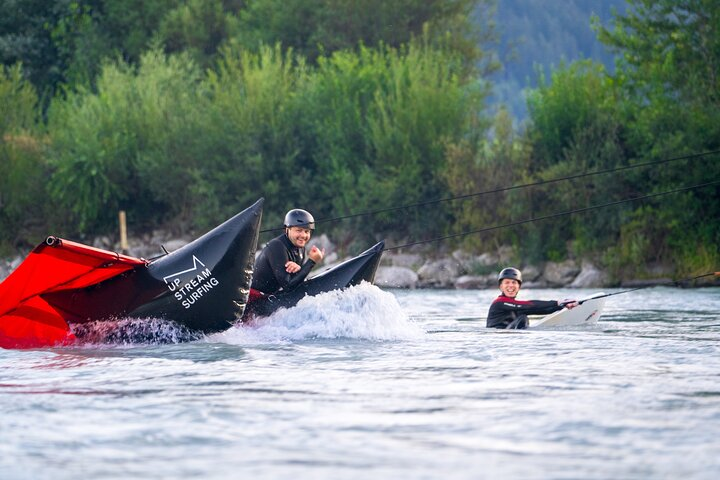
[[587, 313]]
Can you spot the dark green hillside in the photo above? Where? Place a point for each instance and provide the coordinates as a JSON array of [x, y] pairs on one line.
[[544, 33]]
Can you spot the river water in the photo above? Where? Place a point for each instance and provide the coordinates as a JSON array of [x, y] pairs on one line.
[[375, 384]]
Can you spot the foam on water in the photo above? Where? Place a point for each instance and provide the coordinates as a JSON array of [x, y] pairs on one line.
[[360, 312], [132, 331]]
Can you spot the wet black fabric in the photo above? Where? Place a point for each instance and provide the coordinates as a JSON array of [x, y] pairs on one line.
[[520, 323], [506, 312], [269, 275]]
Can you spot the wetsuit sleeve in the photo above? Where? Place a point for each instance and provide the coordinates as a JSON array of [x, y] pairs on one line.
[[504, 310], [531, 307], [298, 277], [277, 257]]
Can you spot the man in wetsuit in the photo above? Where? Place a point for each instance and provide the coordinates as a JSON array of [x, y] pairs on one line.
[[283, 263], [508, 312]]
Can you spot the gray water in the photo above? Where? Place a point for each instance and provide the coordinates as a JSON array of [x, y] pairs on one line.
[[373, 384]]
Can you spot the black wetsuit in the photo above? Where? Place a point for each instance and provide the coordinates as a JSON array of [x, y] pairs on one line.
[[506, 312], [269, 275]]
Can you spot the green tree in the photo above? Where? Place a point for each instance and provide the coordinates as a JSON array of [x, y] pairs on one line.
[[564, 107], [537, 35], [576, 127], [362, 130], [66, 41], [495, 160], [314, 28], [669, 72], [255, 126], [132, 145], [673, 44], [22, 162], [199, 28], [26, 37], [383, 120]]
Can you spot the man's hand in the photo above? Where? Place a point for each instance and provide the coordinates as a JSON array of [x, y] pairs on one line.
[[569, 304], [316, 255], [292, 267]]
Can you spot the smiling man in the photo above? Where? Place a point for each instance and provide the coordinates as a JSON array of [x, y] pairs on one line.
[[283, 263], [509, 313]]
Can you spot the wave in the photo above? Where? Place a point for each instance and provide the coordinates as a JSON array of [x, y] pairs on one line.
[[360, 312], [363, 312]]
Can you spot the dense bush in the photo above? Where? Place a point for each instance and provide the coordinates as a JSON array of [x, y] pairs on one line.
[[22, 167], [131, 145], [361, 130]]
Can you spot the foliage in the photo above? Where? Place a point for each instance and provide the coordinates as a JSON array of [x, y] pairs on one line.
[[328, 26], [65, 42], [25, 38], [484, 165], [128, 145], [576, 128], [669, 75], [563, 108], [677, 42], [363, 129], [253, 125], [185, 111], [198, 28], [22, 170], [385, 117]]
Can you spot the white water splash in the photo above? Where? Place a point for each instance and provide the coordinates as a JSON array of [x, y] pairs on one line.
[[359, 312], [132, 331]]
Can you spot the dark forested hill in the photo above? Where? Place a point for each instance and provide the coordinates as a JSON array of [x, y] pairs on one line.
[[542, 33]]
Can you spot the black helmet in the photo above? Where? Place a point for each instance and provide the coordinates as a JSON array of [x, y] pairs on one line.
[[299, 218], [511, 273]]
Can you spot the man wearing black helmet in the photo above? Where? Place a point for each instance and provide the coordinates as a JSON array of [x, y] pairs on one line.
[[283, 263], [508, 312]]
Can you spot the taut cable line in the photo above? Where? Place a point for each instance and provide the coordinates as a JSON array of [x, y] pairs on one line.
[[510, 188], [676, 283], [558, 214]]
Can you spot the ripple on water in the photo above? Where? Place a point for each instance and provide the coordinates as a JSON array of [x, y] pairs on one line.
[[373, 383]]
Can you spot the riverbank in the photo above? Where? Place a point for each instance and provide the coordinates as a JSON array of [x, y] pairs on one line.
[[466, 271], [423, 268]]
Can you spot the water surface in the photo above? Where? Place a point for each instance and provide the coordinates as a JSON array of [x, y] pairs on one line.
[[381, 384]]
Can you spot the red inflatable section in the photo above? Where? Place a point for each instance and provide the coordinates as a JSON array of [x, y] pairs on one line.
[[28, 321]]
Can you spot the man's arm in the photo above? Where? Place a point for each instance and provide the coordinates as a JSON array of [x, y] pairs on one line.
[[278, 257], [527, 307]]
